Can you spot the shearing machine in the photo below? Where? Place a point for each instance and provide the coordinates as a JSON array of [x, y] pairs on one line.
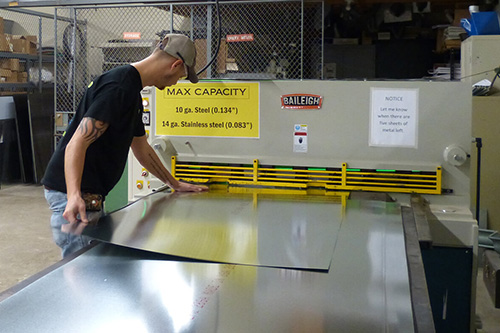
[[334, 206]]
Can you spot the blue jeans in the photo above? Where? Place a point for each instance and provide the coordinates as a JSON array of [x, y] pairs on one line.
[[69, 243]]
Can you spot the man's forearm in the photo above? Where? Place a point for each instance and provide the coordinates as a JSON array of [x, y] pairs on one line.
[[152, 163], [74, 159]]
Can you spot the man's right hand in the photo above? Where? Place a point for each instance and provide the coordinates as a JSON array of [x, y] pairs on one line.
[[75, 207]]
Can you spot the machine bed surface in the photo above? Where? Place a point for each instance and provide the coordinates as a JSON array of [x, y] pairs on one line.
[[115, 288]]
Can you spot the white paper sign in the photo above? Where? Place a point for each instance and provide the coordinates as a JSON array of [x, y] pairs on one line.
[[300, 138], [394, 117]]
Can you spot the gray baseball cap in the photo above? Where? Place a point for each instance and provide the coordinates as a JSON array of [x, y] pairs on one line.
[[181, 47]]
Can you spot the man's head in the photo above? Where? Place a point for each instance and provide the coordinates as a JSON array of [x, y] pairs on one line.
[[181, 47]]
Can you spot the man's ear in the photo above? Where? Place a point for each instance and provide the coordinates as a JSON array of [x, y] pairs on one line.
[[176, 63]]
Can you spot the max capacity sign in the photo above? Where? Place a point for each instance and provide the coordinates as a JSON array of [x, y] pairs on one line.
[[301, 101], [212, 109]]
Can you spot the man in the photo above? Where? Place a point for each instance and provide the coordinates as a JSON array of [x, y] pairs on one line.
[[91, 157]]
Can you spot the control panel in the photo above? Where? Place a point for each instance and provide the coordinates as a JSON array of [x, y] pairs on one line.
[[141, 181]]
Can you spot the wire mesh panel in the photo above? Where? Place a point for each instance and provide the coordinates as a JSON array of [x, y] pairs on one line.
[[249, 40], [70, 46]]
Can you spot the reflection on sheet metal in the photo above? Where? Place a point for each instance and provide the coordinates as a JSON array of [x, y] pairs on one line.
[[117, 289], [282, 231]]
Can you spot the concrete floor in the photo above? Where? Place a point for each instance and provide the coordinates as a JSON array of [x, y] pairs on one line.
[[26, 246]]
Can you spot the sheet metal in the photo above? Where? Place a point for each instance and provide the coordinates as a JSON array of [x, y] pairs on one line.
[[251, 229], [117, 289]]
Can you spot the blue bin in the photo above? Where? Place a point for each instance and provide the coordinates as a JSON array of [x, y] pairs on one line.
[[482, 23]]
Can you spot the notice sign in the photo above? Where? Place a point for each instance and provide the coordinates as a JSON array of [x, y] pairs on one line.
[[214, 109], [394, 117], [300, 138]]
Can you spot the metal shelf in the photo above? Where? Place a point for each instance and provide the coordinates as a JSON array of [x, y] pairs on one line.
[[26, 85], [23, 56]]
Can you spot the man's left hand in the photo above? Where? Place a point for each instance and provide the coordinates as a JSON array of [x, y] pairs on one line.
[[186, 187]]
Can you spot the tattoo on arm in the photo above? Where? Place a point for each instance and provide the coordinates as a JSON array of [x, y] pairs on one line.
[[91, 129]]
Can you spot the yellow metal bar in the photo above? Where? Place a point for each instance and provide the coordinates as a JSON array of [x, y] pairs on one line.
[[394, 179], [214, 167], [211, 176], [395, 174], [299, 176], [261, 183], [196, 180], [255, 170], [439, 172], [301, 170], [344, 174], [266, 191], [389, 189], [391, 181], [279, 180], [222, 172], [173, 165], [390, 184]]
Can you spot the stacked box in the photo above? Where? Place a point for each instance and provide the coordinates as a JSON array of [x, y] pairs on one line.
[[33, 44], [5, 74], [5, 63], [12, 64], [5, 43], [22, 77], [24, 44]]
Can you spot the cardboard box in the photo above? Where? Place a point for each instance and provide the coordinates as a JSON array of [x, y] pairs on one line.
[[24, 44], [9, 42], [5, 43], [5, 72], [5, 75], [59, 119], [20, 46], [452, 43], [12, 78], [12, 64], [33, 44], [22, 77], [5, 63]]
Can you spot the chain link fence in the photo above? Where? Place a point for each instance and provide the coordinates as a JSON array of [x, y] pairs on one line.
[[258, 40]]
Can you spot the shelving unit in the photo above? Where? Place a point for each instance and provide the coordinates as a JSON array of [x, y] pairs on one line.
[[29, 61], [28, 74]]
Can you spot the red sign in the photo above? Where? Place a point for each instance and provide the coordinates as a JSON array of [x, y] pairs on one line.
[[239, 38], [131, 35], [301, 101]]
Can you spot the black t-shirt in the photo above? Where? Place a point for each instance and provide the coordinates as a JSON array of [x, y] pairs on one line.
[[114, 98]]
